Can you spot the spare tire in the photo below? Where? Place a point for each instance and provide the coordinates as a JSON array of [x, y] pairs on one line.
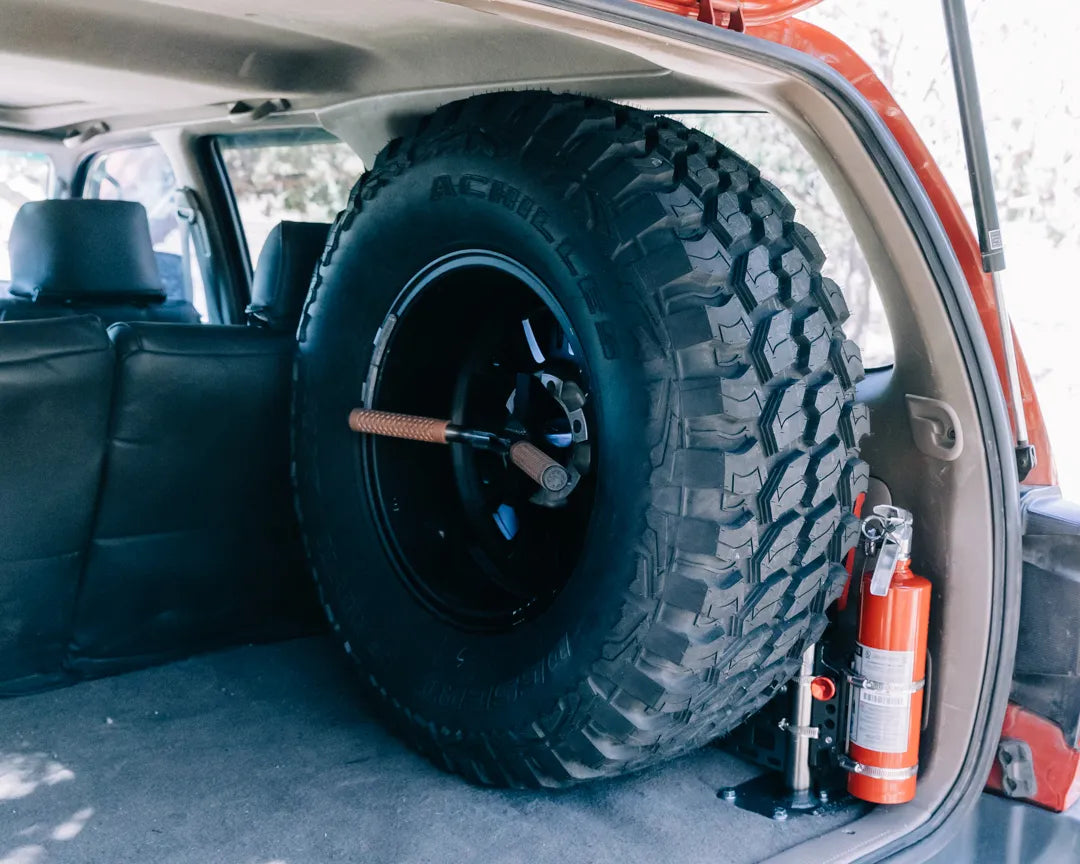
[[635, 299]]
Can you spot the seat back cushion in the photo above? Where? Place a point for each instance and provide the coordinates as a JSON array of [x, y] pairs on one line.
[[56, 378], [195, 543], [21, 309], [170, 311], [282, 276]]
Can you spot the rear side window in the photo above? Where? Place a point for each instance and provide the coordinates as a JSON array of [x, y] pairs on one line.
[[765, 141], [24, 176], [143, 174], [299, 175]]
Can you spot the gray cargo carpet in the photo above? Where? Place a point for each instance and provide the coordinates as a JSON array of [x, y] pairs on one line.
[[268, 754]]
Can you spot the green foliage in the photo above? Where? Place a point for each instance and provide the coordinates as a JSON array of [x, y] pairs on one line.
[[305, 182]]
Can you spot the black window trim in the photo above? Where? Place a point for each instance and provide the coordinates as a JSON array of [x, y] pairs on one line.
[[234, 266], [81, 173]]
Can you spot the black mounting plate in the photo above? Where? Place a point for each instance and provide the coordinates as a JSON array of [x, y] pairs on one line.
[[767, 796]]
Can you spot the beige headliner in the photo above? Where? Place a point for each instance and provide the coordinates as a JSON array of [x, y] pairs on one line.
[[65, 63]]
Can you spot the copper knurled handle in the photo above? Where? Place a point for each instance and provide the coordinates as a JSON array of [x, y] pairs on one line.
[[539, 466], [398, 425], [533, 461]]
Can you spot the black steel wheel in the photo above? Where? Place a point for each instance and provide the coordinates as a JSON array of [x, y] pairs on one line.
[[477, 338]]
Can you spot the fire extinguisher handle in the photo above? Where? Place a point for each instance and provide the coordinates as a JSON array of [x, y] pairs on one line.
[[884, 569]]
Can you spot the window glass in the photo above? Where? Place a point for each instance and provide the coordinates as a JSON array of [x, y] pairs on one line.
[[766, 142], [23, 177], [300, 175], [144, 174]]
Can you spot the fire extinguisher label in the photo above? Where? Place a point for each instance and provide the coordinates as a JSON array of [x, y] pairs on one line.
[[880, 720], [888, 667]]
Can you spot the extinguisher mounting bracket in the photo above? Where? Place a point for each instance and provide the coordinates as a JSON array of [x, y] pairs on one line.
[[859, 682], [876, 773]]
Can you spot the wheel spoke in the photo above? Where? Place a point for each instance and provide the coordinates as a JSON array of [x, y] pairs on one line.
[[558, 433], [518, 403], [534, 345], [507, 521]]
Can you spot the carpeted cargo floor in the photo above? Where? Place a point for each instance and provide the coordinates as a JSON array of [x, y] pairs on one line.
[[268, 754]]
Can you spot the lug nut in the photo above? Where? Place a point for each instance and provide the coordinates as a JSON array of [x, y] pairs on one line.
[[779, 814], [726, 794]]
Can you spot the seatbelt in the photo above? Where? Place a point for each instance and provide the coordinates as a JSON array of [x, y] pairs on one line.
[[186, 263], [191, 217]]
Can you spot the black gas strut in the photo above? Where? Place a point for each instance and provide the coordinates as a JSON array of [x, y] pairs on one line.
[[986, 213]]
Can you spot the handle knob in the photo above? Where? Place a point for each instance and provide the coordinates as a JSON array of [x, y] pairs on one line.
[[539, 466]]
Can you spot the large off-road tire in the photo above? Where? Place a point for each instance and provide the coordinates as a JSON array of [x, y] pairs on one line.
[[674, 593]]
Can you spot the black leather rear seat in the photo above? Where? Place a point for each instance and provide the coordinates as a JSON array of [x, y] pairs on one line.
[[56, 381], [195, 542], [144, 487], [70, 257]]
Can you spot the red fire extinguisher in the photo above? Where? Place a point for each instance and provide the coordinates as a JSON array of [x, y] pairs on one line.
[[887, 677]]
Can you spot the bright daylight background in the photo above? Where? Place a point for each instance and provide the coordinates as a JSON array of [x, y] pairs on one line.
[[1028, 60]]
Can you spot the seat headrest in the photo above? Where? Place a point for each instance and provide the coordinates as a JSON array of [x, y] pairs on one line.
[[83, 250], [284, 271]]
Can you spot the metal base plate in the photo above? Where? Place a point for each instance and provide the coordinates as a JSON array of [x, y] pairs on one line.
[[767, 796]]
